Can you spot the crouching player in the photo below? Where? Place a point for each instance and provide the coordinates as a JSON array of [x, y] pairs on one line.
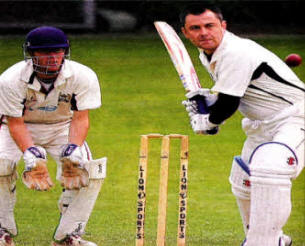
[[252, 79], [44, 108]]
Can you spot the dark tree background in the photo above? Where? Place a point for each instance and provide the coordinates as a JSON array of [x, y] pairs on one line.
[[243, 16]]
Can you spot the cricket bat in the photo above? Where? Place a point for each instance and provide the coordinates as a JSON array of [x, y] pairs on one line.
[[182, 61]]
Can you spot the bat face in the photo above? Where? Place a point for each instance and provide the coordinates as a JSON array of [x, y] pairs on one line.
[[179, 56]]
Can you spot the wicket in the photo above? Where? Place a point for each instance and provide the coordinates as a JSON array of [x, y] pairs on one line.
[[162, 206]]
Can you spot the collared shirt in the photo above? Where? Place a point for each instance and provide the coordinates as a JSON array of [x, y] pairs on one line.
[[76, 88], [241, 67]]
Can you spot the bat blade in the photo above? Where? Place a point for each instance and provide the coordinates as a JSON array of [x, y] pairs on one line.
[[179, 56], [182, 62]]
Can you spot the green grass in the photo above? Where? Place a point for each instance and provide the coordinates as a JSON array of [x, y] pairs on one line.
[[142, 94]]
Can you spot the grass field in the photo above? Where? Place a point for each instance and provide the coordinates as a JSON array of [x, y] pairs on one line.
[[142, 94]]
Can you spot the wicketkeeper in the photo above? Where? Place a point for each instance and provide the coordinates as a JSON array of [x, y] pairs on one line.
[[44, 108], [253, 80]]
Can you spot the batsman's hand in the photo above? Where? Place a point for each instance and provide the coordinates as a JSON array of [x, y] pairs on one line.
[[198, 101], [74, 173], [36, 175], [201, 125]]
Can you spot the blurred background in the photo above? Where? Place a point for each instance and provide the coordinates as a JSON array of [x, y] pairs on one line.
[[142, 94], [98, 16]]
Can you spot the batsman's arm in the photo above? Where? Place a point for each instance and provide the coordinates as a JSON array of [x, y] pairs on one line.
[[19, 132], [79, 127], [74, 171], [35, 175], [224, 107]]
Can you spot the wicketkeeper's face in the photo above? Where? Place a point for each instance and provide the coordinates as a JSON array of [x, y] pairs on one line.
[[205, 30], [48, 62]]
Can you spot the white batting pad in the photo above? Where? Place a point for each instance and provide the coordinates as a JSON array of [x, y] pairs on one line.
[[240, 179], [270, 209], [272, 166], [76, 215], [75, 218], [8, 177], [97, 168], [273, 158]]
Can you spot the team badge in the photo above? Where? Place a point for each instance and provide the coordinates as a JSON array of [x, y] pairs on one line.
[[64, 98], [212, 67], [246, 182], [291, 161]]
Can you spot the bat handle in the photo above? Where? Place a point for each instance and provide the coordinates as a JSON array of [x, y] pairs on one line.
[[201, 103], [204, 109]]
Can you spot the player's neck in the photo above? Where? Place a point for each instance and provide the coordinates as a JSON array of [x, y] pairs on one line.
[[208, 56], [46, 79]]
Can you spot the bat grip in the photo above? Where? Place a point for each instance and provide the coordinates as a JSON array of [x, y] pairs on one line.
[[201, 104]]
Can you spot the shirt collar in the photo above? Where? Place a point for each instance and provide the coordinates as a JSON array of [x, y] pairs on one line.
[[64, 74], [27, 71], [218, 51]]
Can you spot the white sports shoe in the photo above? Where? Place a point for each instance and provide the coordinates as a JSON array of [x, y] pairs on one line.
[[284, 241], [5, 238], [74, 240], [287, 240]]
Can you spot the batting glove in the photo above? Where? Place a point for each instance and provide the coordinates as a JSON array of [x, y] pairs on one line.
[[201, 125], [199, 101]]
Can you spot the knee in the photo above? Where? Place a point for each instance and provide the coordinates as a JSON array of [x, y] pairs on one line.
[[8, 176], [240, 178], [66, 199], [8, 173], [7, 167], [273, 160]]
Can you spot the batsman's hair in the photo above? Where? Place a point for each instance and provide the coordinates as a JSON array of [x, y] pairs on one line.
[[199, 8]]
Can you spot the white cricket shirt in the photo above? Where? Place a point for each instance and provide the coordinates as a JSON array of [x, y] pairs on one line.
[[241, 67], [76, 88]]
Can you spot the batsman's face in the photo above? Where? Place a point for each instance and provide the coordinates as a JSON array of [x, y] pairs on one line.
[[205, 30]]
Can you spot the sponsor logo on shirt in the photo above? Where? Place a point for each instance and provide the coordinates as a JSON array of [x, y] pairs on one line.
[[48, 108], [64, 98], [32, 103]]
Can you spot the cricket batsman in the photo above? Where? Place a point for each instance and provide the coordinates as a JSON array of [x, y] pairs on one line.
[[44, 108], [253, 80]]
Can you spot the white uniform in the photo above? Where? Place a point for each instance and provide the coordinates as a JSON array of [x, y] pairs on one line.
[[272, 101], [47, 116]]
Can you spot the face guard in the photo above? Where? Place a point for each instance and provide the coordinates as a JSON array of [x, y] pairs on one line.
[[49, 41], [48, 64]]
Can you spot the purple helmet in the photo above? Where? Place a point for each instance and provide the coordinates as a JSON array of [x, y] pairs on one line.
[[46, 37]]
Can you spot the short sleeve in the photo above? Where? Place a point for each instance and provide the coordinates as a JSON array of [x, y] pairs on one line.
[[12, 97], [234, 72], [87, 93]]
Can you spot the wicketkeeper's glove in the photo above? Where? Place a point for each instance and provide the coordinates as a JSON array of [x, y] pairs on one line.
[[36, 175], [74, 173]]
